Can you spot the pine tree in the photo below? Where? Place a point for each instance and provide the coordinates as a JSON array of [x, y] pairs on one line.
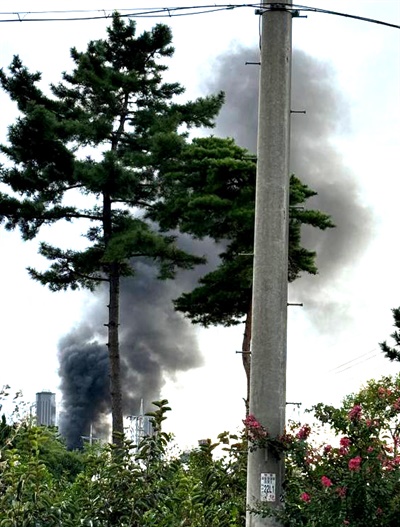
[[393, 354], [210, 191], [106, 130]]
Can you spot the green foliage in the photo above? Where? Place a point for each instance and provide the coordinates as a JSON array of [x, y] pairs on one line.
[[354, 479], [6, 432], [116, 106], [128, 486], [210, 191], [28, 491], [351, 479], [393, 354], [100, 139]]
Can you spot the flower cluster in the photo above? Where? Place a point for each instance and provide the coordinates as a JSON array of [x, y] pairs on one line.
[[355, 413], [305, 497], [326, 482], [257, 434], [354, 463], [354, 479], [304, 432], [258, 437]]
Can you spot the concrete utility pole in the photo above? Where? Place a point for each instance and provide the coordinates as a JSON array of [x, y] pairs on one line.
[[269, 330]]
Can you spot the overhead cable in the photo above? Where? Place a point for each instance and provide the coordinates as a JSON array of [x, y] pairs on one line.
[[169, 12]]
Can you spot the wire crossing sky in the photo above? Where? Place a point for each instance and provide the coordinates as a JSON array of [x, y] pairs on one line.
[[168, 12]]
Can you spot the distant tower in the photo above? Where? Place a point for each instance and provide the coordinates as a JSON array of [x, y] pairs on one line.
[[46, 408], [140, 426]]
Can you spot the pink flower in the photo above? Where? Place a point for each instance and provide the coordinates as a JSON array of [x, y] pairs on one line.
[[341, 491], [379, 511], [326, 482], [251, 422], [355, 413], [255, 430], [354, 463], [327, 449], [344, 446], [305, 497], [388, 465], [346, 522], [396, 405], [304, 432], [370, 449]]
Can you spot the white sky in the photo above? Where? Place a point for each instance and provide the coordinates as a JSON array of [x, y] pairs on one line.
[[209, 400]]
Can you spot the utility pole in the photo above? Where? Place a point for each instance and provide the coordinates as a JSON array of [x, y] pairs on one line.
[[270, 279]]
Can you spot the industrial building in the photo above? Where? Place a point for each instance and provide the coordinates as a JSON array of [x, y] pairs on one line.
[[140, 426], [46, 408]]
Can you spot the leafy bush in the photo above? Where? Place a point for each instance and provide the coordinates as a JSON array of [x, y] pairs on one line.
[[120, 485], [354, 479]]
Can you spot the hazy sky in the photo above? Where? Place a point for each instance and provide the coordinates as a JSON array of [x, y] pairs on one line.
[[346, 75]]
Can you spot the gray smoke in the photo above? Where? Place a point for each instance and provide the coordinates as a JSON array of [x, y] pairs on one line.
[[156, 343], [313, 159], [83, 370]]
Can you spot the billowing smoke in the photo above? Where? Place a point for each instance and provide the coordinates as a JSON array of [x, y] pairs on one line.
[[83, 370], [156, 343], [313, 159]]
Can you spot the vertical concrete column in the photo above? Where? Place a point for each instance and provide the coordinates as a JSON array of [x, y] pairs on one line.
[[269, 329]]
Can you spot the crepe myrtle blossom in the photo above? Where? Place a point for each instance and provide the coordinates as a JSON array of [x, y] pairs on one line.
[[326, 482], [254, 427], [330, 481], [344, 446], [341, 491], [257, 434], [355, 413], [354, 463], [304, 432], [345, 442], [305, 497]]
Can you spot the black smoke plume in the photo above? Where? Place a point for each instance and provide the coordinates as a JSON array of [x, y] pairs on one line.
[[84, 371], [313, 159], [156, 343]]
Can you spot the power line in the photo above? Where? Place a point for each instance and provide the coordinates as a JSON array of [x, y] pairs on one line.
[[169, 12], [353, 360], [148, 12], [347, 15], [356, 364], [360, 359]]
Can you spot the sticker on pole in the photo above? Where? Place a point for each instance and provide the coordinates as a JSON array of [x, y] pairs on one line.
[[268, 486]]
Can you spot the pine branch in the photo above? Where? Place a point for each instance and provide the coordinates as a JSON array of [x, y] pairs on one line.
[[391, 353]]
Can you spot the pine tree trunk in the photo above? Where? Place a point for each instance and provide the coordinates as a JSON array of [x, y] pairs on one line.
[[113, 352], [246, 355], [112, 271]]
